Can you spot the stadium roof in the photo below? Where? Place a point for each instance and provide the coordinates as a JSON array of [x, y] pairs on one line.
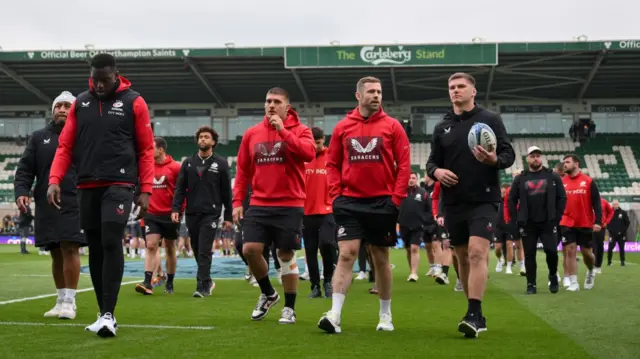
[[506, 71]]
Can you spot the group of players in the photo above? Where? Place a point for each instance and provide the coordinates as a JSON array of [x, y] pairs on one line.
[[99, 155]]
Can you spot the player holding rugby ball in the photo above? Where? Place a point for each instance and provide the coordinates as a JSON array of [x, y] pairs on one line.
[[468, 149]]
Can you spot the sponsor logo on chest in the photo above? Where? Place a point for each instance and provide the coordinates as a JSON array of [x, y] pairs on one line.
[[266, 153], [364, 149]]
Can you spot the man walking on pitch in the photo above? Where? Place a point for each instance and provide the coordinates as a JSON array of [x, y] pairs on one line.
[[542, 199], [107, 136], [470, 185], [157, 222], [368, 169], [617, 231], [205, 183], [271, 158], [582, 216], [414, 219], [319, 226], [57, 231], [598, 237]]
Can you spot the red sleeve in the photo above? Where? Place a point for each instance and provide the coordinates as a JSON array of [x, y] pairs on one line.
[[608, 212], [66, 141], [435, 199], [243, 171], [403, 160], [334, 164], [505, 206], [301, 145], [144, 142]]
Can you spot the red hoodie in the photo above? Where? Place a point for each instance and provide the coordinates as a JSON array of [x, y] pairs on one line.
[[144, 145], [435, 199], [318, 200], [369, 157], [164, 186], [273, 161], [583, 208], [607, 212]]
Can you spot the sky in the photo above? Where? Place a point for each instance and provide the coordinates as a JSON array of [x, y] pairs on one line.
[[117, 24]]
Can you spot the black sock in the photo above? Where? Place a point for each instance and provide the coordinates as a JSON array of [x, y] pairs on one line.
[[290, 300], [445, 270], [147, 277], [265, 286], [170, 277], [136, 251], [474, 306], [112, 266], [128, 250]]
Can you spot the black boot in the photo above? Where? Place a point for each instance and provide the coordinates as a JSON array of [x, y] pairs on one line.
[[315, 292], [531, 289], [328, 290]]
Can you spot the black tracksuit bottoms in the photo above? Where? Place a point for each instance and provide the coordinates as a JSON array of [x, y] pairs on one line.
[[319, 232], [202, 229], [598, 247], [619, 239], [547, 234]]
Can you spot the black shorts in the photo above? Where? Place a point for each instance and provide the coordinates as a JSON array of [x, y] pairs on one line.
[[502, 236], [281, 226], [430, 234], [134, 230], [583, 237], [162, 225], [373, 220], [105, 206], [411, 236], [442, 233], [470, 220]]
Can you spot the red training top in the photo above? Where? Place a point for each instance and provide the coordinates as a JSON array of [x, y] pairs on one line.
[[435, 199], [273, 161], [369, 157], [583, 208], [164, 186], [607, 212], [318, 200]]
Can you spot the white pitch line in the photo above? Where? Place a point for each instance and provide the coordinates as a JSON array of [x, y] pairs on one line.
[[138, 326], [53, 295]]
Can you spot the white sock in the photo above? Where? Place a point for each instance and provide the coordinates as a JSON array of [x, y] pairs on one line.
[[385, 306], [70, 295], [60, 294], [590, 271], [565, 277], [337, 301], [573, 278], [521, 264]]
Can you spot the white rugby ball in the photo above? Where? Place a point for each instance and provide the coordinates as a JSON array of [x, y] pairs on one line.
[[482, 135]]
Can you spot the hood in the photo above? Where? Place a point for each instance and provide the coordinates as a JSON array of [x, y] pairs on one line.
[[122, 83], [323, 152], [167, 160], [356, 116], [292, 120]]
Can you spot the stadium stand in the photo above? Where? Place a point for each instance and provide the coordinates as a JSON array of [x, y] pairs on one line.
[[610, 160]]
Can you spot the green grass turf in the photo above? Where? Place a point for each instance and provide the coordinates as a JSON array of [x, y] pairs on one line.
[[602, 323]]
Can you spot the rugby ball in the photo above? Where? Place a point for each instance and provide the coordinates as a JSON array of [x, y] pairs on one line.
[[482, 135]]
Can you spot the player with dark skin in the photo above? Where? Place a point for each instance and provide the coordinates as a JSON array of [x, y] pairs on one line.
[[104, 83]]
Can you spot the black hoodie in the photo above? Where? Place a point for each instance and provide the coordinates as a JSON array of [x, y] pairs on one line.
[[477, 182], [35, 165], [207, 186]]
